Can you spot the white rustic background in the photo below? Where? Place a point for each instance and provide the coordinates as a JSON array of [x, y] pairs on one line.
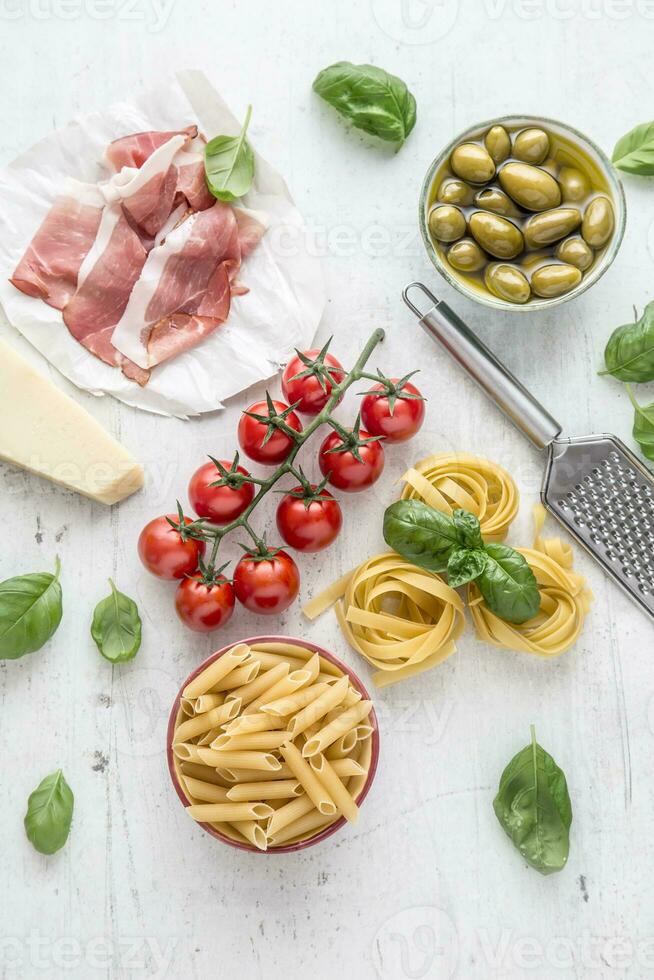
[[426, 885]]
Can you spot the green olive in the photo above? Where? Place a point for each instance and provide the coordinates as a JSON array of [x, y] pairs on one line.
[[495, 200], [575, 251], [531, 145], [497, 143], [472, 162], [550, 226], [507, 282], [574, 184], [453, 191], [446, 223], [496, 235], [530, 260], [466, 256], [597, 226], [555, 280], [532, 188]]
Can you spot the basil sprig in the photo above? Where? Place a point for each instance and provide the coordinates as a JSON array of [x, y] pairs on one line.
[[629, 354], [432, 540], [229, 164], [116, 627], [370, 98], [533, 806], [49, 813], [643, 430], [634, 153], [30, 612]]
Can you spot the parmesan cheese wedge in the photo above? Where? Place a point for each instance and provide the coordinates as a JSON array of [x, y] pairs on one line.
[[44, 431]]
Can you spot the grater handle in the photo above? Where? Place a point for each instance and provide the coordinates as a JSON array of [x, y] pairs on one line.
[[485, 369]]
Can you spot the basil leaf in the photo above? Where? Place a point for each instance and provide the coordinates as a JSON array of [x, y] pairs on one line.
[[634, 153], [229, 164], [508, 584], [420, 534], [533, 806], [30, 612], [116, 627], [468, 527], [370, 98], [49, 813], [629, 354], [465, 565], [643, 430]]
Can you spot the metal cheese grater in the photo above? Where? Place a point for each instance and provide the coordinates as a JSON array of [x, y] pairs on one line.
[[593, 485]]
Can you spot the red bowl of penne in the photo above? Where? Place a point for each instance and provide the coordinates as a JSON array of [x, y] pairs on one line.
[[273, 744]]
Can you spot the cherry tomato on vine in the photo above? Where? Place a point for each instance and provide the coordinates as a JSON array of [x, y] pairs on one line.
[[395, 412], [166, 552], [308, 390], [266, 585], [220, 505], [252, 432], [308, 524], [204, 606], [343, 469]]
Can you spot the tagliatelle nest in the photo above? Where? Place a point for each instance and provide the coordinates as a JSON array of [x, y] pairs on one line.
[[401, 618], [565, 602], [448, 480]]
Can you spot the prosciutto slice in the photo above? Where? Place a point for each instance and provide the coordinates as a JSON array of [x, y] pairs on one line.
[[134, 150], [107, 282], [49, 268]]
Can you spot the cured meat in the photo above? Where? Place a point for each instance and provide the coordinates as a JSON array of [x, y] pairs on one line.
[[98, 304], [134, 150], [49, 268]]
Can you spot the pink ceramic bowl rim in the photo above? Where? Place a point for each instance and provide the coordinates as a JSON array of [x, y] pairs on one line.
[[374, 758]]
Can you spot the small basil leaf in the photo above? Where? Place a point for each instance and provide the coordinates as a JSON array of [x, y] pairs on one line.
[[533, 806], [49, 813], [229, 164], [508, 584], [465, 565], [420, 534], [370, 98], [30, 612], [629, 354], [468, 527], [634, 153], [116, 627], [643, 430]]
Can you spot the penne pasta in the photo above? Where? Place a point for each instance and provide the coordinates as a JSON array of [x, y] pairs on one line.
[[207, 792], [253, 832], [342, 746], [294, 702], [289, 813], [258, 741], [287, 685], [188, 706], [233, 774], [363, 732], [244, 760], [237, 678], [278, 789], [345, 768], [203, 773], [306, 826], [315, 711], [308, 779], [263, 682], [228, 812], [209, 736], [248, 724], [210, 719], [208, 701], [335, 788], [216, 671], [335, 729]]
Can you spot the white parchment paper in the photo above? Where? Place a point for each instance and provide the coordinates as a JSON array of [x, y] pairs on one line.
[[286, 298]]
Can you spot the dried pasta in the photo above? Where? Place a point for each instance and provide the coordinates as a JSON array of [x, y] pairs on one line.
[[257, 782], [450, 480], [401, 618]]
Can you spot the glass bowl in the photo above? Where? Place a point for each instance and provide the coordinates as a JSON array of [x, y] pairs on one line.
[[599, 158], [360, 794]]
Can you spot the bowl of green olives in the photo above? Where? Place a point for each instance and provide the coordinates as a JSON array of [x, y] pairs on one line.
[[522, 213]]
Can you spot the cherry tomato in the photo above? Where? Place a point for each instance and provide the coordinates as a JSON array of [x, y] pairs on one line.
[[220, 505], [266, 585], [164, 553], [251, 434], [398, 424], [344, 469], [309, 525], [308, 391], [204, 607]]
